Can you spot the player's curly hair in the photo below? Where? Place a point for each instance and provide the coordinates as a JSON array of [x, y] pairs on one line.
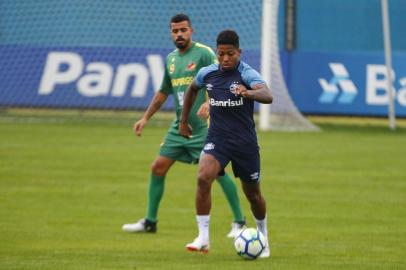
[[180, 18], [228, 37]]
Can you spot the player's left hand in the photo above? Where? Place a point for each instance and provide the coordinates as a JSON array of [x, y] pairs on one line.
[[242, 91], [204, 111], [185, 130]]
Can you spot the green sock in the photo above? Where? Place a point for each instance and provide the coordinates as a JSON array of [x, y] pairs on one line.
[[230, 190], [155, 192]]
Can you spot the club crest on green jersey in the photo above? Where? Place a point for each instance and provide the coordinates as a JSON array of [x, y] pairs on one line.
[[191, 66]]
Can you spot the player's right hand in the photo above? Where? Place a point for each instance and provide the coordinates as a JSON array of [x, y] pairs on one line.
[[185, 130], [139, 125], [241, 91]]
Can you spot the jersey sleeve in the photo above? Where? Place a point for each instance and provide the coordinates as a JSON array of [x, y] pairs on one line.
[[251, 77], [166, 85], [199, 77]]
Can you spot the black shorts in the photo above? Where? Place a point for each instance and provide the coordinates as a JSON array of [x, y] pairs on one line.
[[244, 157]]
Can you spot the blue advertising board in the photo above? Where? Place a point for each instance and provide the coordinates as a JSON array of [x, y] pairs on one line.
[[115, 78], [93, 77], [346, 83], [126, 78]]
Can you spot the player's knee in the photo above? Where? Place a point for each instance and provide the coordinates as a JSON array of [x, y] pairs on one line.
[[158, 168], [204, 182]]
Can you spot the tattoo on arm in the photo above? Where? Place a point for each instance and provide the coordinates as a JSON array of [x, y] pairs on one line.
[[262, 94]]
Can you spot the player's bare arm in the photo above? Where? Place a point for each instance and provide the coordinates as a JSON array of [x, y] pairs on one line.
[[156, 103], [260, 93], [184, 128]]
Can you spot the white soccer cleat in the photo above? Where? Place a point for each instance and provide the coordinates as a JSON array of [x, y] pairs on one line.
[[236, 228], [198, 246], [142, 225], [266, 253]]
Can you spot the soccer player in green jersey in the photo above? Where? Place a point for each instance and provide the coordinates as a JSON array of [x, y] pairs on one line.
[[181, 66]]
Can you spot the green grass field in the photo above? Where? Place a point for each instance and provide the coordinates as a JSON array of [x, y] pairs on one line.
[[336, 199]]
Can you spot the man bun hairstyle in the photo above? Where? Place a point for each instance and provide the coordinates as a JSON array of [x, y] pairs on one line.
[[228, 37], [181, 18]]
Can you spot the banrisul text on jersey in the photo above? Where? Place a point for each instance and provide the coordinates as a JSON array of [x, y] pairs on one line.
[[230, 114]]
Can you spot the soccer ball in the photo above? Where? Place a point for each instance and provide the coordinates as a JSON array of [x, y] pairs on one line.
[[250, 243]]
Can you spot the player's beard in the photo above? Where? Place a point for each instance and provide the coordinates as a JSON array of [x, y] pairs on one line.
[[183, 45]]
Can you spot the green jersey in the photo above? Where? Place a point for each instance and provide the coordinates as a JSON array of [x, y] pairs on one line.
[[180, 69]]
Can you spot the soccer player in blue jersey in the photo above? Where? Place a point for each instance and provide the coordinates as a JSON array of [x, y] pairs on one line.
[[181, 66], [232, 87]]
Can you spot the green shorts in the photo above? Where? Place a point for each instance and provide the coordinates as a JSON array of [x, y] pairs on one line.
[[181, 149]]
